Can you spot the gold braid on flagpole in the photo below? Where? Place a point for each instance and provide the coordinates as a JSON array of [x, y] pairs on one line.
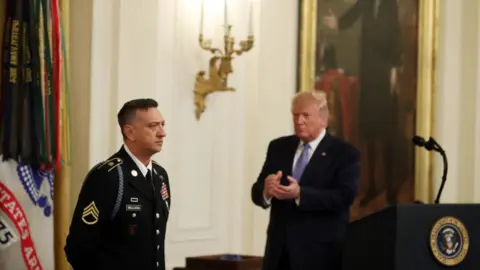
[[62, 175]]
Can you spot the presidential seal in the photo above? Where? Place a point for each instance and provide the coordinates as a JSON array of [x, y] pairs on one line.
[[449, 241]]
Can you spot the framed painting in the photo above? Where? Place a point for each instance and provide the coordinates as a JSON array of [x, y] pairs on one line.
[[375, 59]]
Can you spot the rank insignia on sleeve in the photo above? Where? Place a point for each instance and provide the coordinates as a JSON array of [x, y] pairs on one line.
[[90, 214]]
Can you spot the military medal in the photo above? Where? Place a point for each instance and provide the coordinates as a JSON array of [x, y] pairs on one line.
[[164, 192], [131, 229]]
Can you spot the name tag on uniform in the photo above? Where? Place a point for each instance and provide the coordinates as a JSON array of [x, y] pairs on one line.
[[134, 207]]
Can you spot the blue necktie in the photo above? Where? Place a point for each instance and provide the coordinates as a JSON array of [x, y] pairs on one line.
[[301, 163]]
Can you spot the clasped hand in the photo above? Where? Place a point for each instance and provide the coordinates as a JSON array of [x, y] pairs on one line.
[[273, 188]]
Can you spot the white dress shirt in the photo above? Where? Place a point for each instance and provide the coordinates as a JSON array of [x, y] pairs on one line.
[[143, 169], [313, 146]]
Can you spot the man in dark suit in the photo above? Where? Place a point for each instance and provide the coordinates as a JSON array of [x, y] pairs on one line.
[[121, 215], [309, 180]]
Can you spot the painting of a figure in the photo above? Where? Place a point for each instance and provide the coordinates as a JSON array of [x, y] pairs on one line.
[[365, 57]]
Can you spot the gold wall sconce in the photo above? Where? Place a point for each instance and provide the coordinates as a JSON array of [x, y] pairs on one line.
[[220, 64]]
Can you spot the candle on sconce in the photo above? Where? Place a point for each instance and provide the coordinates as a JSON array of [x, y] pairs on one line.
[[202, 10], [225, 17], [215, 77], [250, 17]]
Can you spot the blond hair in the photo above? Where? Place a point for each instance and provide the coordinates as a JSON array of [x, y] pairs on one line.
[[317, 96]]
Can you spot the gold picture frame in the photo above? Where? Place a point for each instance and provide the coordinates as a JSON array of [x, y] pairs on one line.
[[426, 78]]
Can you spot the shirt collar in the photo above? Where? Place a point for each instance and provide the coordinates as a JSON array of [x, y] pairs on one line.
[[313, 144], [143, 169]]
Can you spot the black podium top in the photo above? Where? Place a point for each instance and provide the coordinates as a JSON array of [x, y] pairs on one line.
[[415, 237]]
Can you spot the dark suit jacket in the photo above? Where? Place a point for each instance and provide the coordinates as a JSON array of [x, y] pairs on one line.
[[310, 233]]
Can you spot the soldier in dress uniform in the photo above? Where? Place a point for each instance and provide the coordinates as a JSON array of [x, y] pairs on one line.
[[121, 214]]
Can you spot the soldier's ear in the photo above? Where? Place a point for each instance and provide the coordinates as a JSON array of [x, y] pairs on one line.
[[129, 132]]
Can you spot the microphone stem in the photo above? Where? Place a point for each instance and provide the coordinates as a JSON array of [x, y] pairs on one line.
[[444, 176]]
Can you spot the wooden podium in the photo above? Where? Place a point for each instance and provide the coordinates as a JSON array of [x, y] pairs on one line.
[[222, 262]]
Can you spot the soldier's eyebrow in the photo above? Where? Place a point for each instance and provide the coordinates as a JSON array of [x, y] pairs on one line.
[[156, 123]]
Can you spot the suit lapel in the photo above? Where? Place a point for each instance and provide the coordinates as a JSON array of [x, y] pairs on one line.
[[290, 154], [135, 176], [318, 160]]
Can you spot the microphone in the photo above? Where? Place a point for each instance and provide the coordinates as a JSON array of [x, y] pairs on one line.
[[430, 145]]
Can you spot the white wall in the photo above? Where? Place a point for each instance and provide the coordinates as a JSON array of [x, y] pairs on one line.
[[148, 48]]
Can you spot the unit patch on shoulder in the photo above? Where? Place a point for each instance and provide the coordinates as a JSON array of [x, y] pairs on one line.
[[90, 214]]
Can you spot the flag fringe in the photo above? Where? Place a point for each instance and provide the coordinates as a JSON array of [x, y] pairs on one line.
[[35, 107]]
